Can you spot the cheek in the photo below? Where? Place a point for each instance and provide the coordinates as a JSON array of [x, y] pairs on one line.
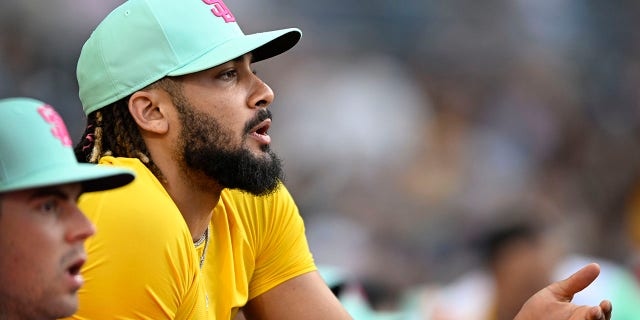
[[231, 114], [31, 249], [21, 260], [231, 129], [234, 122], [32, 272], [30, 245]]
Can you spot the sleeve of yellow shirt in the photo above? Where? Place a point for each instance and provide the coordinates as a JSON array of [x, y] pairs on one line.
[[280, 242]]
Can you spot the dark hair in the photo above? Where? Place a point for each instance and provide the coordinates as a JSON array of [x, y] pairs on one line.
[[112, 131], [499, 238]]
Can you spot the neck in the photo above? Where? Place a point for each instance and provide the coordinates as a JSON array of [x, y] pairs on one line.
[[194, 195], [195, 205], [509, 298]]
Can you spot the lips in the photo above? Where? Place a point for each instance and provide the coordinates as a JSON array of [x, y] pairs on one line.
[[259, 132], [73, 271]]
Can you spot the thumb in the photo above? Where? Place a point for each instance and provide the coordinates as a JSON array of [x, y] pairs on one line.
[[565, 289]]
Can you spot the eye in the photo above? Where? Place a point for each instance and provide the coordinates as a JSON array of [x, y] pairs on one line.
[[50, 207], [228, 75]]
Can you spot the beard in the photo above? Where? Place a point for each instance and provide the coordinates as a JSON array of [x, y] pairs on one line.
[[208, 148]]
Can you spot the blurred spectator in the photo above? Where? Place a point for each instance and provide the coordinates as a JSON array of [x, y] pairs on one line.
[[521, 252], [518, 253]]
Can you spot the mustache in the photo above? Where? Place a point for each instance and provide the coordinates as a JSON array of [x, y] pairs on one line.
[[73, 254], [263, 114]]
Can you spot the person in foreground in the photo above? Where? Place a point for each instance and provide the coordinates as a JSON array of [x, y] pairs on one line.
[[207, 229], [42, 231]]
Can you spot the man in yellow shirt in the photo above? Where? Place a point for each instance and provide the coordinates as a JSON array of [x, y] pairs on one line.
[[207, 229], [42, 230]]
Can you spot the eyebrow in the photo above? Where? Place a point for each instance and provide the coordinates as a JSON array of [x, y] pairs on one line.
[[241, 58], [51, 191]]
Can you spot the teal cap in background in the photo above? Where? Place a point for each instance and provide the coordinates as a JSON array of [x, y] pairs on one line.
[[36, 151]]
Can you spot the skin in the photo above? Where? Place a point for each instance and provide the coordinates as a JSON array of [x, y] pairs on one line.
[[554, 301], [42, 233], [233, 95], [521, 268]]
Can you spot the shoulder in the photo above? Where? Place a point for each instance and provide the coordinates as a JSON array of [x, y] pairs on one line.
[[140, 228], [258, 216], [142, 210], [141, 201], [248, 204]]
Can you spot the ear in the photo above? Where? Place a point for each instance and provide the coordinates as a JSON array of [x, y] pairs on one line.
[[147, 109]]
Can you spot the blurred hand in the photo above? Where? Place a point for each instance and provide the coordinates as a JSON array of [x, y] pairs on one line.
[[554, 301]]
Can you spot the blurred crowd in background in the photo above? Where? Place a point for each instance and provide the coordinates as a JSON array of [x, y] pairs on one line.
[[418, 137]]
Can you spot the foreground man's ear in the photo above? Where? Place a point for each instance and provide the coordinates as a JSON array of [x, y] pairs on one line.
[[149, 110]]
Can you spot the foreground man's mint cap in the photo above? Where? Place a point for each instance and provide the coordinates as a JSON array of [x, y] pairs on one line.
[[36, 151], [142, 41]]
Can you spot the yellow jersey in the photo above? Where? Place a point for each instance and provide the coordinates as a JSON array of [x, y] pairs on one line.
[[142, 263]]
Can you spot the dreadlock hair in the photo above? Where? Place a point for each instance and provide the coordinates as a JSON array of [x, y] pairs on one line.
[[112, 131]]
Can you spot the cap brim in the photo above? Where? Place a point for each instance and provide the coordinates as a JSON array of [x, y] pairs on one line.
[[263, 45], [92, 177]]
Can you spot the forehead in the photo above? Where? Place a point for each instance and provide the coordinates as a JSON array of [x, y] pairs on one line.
[[64, 190]]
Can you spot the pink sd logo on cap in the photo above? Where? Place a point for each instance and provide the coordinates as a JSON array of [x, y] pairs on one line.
[[220, 10], [59, 130]]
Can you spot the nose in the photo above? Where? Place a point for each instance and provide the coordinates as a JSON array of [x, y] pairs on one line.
[[80, 227], [261, 94]]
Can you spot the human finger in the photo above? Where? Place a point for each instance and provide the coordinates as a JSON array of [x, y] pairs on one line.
[[564, 290], [607, 308]]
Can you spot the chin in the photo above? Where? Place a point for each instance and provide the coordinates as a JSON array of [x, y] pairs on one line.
[[264, 148], [65, 306], [262, 155]]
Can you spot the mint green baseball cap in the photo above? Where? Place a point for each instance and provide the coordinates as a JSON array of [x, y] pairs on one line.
[[36, 151], [142, 41]]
